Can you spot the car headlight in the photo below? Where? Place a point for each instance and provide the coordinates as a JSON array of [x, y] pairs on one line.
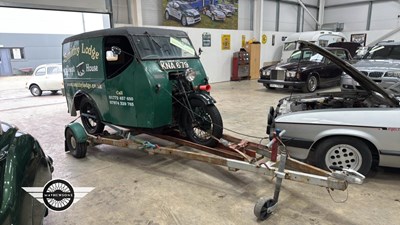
[[190, 74], [393, 74], [291, 73]]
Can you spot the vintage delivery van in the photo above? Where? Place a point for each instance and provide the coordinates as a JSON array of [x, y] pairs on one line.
[[139, 78]]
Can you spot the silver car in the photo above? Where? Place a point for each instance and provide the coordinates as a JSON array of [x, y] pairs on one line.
[[381, 64], [183, 12], [349, 129]]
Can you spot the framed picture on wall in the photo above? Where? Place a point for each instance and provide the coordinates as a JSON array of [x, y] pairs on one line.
[[359, 38]]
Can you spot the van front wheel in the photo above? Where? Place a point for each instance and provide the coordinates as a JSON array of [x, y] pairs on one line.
[[90, 117], [204, 125]]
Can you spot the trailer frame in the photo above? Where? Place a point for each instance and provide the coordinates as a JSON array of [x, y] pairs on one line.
[[234, 153]]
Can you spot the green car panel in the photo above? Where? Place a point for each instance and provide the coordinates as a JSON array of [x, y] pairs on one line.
[[22, 164]]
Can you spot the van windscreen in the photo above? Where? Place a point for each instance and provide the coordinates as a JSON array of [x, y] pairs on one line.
[[163, 47]]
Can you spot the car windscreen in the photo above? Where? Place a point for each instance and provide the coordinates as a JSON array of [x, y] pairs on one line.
[[306, 55], [163, 47], [383, 52]]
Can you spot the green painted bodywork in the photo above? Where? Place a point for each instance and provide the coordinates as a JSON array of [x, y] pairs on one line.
[[131, 98], [78, 131], [22, 164]]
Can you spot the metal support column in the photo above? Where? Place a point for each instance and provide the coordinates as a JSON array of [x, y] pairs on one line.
[[369, 16], [277, 15]]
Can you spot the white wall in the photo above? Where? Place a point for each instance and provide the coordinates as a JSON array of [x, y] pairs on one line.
[[384, 14], [374, 35]]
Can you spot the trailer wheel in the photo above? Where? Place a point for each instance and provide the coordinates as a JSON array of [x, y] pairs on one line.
[[78, 150], [90, 117], [206, 124], [262, 206]]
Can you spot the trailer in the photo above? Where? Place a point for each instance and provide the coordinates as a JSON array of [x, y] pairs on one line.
[[269, 159]]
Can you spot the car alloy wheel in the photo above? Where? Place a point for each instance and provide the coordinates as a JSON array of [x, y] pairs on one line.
[[345, 156]]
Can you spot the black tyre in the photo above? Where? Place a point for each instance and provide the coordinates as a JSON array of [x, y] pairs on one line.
[[269, 86], [54, 92], [90, 117], [345, 152], [206, 124], [166, 15], [262, 206], [78, 150], [184, 21], [35, 90], [311, 84]]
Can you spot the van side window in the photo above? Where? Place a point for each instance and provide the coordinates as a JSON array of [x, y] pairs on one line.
[[124, 59]]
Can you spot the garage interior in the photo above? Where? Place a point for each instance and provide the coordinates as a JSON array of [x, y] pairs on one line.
[[132, 187]]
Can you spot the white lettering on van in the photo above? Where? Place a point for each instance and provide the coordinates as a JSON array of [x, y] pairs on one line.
[[90, 68], [91, 51]]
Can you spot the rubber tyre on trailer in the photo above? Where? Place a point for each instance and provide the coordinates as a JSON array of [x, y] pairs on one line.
[[311, 84], [78, 150], [92, 124], [345, 152], [35, 90], [207, 120], [262, 206]]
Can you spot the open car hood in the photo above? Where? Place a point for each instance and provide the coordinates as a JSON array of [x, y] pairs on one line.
[[364, 81]]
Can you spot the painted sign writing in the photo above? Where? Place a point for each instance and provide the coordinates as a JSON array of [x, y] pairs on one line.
[[119, 99]]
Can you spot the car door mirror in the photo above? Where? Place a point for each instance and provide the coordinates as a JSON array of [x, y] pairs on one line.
[[200, 51], [111, 56]]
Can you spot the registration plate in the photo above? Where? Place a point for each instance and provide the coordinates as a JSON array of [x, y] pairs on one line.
[[276, 85]]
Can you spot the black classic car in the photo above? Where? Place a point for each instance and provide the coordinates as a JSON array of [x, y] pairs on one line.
[[305, 69]]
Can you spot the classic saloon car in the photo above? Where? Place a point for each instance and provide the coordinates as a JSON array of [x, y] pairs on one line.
[[305, 69], [344, 129], [183, 12]]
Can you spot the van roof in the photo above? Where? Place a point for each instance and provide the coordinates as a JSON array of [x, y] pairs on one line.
[[126, 31]]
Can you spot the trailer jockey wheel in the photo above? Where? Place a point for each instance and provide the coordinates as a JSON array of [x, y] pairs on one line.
[[262, 209]]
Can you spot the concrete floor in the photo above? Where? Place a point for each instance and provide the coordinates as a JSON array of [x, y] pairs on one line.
[[134, 188]]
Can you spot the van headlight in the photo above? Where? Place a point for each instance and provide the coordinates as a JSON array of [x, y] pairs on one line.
[[190, 74], [393, 74]]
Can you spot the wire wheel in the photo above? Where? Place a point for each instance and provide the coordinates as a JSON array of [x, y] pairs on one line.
[[204, 124], [90, 117]]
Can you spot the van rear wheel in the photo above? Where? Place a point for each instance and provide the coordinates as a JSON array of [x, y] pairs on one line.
[[90, 117]]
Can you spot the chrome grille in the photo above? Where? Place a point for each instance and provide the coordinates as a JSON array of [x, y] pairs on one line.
[[278, 75]]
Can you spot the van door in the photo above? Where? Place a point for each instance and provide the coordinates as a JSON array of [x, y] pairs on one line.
[[5, 62], [119, 83]]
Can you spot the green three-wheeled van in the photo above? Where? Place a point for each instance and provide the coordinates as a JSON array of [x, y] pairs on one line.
[[139, 78]]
